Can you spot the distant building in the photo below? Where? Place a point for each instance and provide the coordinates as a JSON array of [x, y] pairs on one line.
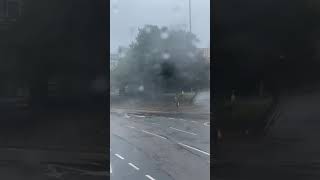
[[205, 52], [115, 57], [114, 60]]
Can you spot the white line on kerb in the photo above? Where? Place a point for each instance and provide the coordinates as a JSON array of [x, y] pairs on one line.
[[183, 131], [119, 156], [135, 167], [153, 134], [194, 149], [149, 177]]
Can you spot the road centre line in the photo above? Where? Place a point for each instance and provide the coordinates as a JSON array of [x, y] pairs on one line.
[[183, 131], [149, 177], [153, 134], [135, 167], [119, 156], [194, 149]]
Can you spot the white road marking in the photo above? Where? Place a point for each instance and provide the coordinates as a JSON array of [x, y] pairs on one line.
[[110, 168], [194, 121], [135, 167], [139, 116], [171, 118], [153, 134], [119, 156], [183, 131], [126, 116], [182, 119], [155, 123], [149, 177], [194, 149], [131, 127], [206, 123]]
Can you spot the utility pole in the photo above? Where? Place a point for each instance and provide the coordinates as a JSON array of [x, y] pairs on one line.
[[190, 16]]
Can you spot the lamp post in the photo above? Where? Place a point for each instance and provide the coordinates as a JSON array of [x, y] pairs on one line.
[[190, 16]]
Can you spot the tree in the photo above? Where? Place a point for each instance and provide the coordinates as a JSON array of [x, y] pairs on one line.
[[163, 59]]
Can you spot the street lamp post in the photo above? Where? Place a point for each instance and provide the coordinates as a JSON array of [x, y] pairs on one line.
[[190, 16]]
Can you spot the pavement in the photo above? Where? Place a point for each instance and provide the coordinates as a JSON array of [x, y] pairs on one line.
[[290, 150], [153, 147]]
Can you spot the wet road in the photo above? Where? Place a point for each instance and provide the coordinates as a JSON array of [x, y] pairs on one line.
[[154, 148]]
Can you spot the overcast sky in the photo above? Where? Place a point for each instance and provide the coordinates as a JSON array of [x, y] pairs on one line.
[[127, 15]]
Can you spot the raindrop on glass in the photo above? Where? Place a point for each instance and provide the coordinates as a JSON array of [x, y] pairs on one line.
[[141, 88], [164, 35], [165, 55]]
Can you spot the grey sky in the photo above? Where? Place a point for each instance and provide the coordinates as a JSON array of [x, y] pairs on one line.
[[127, 15]]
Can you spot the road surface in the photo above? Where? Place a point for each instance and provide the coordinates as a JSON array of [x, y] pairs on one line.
[[291, 150], [159, 148]]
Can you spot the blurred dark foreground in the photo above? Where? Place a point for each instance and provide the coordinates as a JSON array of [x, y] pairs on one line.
[[64, 124]]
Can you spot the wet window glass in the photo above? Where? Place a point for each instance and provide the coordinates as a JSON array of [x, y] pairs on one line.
[[159, 89]]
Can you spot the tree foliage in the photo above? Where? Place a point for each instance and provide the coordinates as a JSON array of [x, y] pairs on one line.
[[161, 59]]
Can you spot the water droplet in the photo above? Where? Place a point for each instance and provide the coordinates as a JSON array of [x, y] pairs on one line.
[[165, 55], [164, 35], [141, 88]]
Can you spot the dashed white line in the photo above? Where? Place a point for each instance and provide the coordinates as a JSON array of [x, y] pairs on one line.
[[171, 118], [155, 123], [206, 123], [194, 121], [149, 177], [182, 131], [119, 156], [135, 167], [110, 168], [153, 134], [131, 127], [194, 149], [139, 116], [182, 119]]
